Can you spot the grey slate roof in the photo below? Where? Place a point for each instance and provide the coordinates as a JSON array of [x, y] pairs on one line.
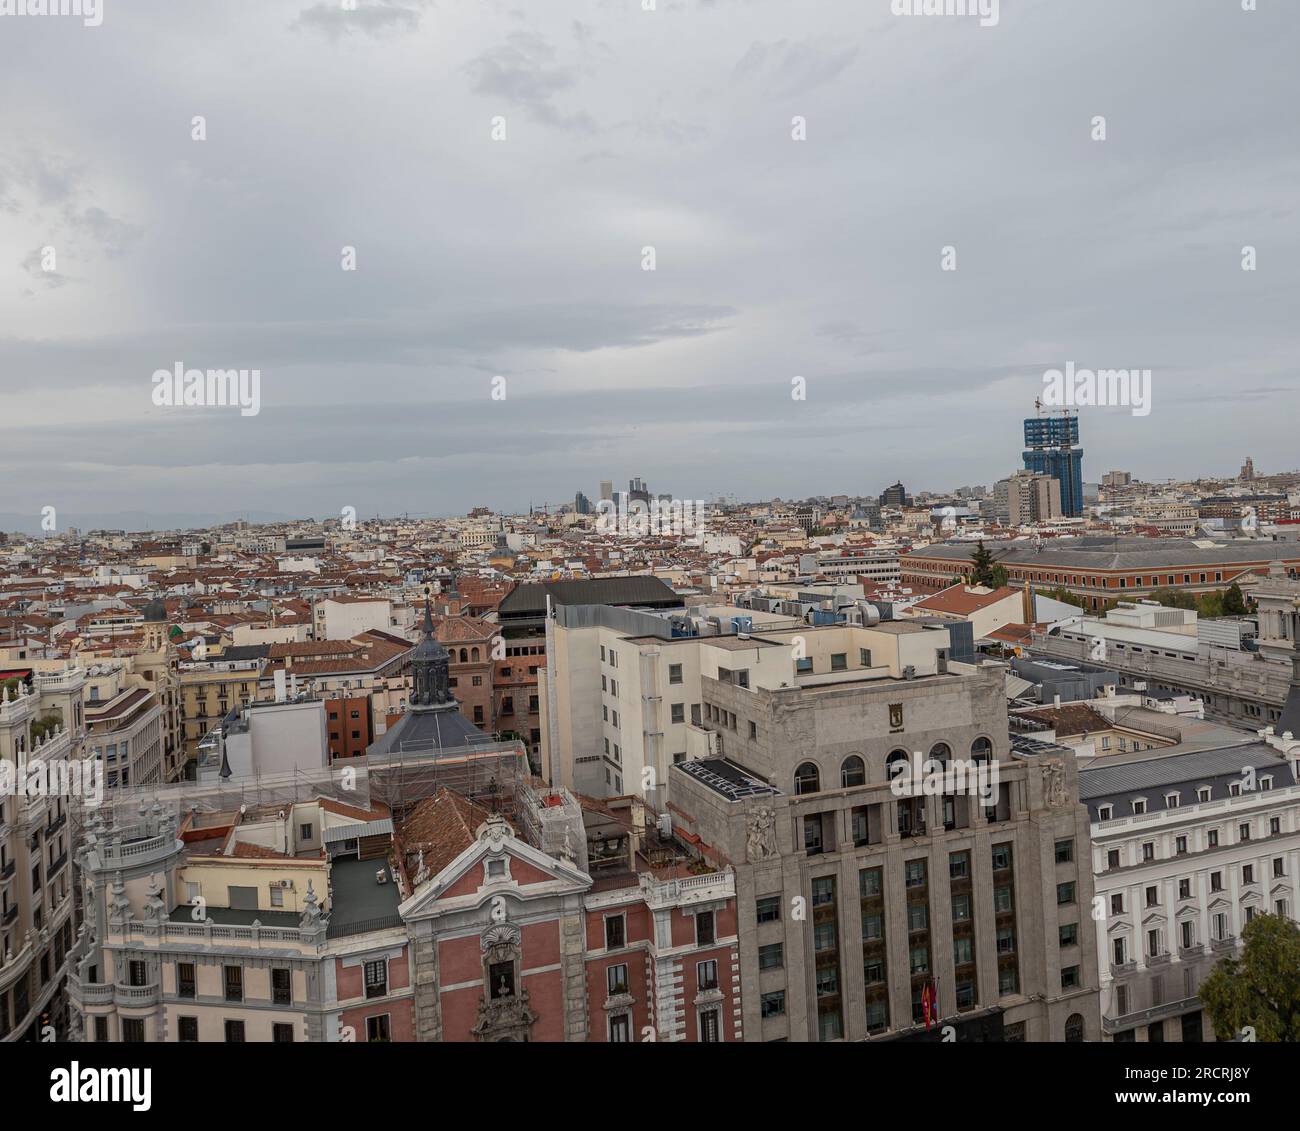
[[428, 730], [530, 600], [1152, 778]]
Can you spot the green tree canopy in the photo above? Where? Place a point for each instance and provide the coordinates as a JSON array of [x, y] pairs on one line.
[[1260, 990], [1234, 604], [982, 567]]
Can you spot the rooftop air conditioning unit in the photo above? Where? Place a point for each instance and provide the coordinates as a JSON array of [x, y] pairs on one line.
[[381, 876], [666, 824], [909, 672]]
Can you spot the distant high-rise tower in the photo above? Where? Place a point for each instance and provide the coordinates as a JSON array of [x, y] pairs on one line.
[[606, 490], [581, 504], [895, 496], [1248, 469], [1051, 448]]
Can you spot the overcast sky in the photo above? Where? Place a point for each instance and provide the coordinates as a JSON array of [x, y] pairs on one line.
[[522, 257]]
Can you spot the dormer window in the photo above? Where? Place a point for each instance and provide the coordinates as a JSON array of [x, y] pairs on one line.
[[1139, 805]]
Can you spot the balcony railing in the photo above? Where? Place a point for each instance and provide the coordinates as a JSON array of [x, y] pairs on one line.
[[137, 997], [1146, 1016], [90, 993]]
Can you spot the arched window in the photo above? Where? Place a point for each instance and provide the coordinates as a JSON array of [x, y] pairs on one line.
[[981, 750], [473, 654], [941, 752], [807, 779], [464, 656], [896, 763], [853, 772], [1074, 1028]]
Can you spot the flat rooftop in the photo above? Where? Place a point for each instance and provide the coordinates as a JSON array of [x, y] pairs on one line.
[[357, 899], [726, 778]]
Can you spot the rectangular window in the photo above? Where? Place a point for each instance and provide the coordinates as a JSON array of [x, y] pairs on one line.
[[377, 978], [1068, 935], [710, 1027], [704, 928], [771, 956], [234, 983], [1064, 851], [616, 979], [282, 1034], [620, 1029], [773, 1004], [674, 673], [615, 934], [235, 1032], [187, 1031], [706, 974], [1065, 893], [768, 909], [281, 986], [133, 1030]]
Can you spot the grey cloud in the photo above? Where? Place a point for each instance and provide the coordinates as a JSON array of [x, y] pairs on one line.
[[370, 17], [523, 72], [425, 340]]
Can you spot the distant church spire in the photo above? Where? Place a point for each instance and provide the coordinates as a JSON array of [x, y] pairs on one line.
[[430, 663]]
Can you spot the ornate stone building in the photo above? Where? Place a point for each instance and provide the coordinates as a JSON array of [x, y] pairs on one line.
[[872, 897]]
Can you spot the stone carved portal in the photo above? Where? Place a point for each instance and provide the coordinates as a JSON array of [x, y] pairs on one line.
[[503, 1012]]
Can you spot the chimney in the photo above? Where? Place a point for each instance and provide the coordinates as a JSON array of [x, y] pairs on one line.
[[1029, 604]]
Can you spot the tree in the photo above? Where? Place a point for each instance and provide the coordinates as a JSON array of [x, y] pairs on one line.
[[982, 567], [1174, 598], [1209, 606], [1261, 990], [1234, 604], [45, 725], [999, 575]]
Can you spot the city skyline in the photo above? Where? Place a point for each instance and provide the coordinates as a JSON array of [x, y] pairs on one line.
[[775, 258]]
